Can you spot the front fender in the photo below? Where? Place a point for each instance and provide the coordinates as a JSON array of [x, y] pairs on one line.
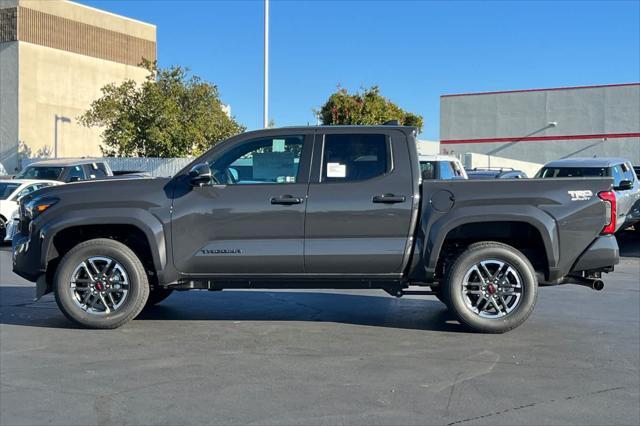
[[150, 225], [442, 224]]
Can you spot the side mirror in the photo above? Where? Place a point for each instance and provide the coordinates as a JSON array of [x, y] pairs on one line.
[[74, 179], [200, 174], [624, 185]]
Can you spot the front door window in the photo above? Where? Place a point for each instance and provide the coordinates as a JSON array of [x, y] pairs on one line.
[[262, 161]]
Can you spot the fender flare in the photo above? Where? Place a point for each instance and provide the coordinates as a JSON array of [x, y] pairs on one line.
[[441, 227], [141, 219]]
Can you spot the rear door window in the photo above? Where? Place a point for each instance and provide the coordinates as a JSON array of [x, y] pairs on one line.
[[94, 172], [76, 173], [355, 157]]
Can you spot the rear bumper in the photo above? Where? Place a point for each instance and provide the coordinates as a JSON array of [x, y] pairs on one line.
[[601, 254]]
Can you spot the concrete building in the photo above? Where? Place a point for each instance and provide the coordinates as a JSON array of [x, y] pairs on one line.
[[540, 125], [55, 56], [426, 147]]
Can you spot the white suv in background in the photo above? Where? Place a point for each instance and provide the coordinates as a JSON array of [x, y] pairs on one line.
[[11, 190], [441, 167]]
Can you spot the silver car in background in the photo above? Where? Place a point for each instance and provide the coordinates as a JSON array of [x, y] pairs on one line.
[[625, 182]]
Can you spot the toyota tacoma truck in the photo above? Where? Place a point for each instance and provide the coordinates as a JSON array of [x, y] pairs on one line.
[[315, 207]]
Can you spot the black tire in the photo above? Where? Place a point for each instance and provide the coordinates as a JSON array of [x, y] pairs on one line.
[[454, 299], [138, 283], [157, 295]]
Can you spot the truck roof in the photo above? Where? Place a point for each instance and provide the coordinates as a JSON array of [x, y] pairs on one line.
[[406, 129]]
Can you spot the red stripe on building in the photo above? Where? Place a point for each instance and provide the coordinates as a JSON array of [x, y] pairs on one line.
[[540, 90], [543, 138]]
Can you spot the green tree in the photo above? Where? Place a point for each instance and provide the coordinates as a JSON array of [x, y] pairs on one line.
[[169, 115], [365, 107]]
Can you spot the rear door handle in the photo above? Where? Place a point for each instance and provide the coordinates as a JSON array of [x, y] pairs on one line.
[[286, 200], [389, 199]]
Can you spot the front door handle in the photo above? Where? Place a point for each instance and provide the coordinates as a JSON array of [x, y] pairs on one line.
[[389, 199], [286, 200]]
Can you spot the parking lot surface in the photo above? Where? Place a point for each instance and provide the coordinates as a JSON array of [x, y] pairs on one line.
[[324, 357]]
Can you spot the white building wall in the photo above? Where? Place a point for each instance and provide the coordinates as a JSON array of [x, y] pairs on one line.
[[9, 125], [590, 122]]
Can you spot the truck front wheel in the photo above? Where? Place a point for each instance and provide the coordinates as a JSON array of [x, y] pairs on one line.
[[491, 287], [101, 283]]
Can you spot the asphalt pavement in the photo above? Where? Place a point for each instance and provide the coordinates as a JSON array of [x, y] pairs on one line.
[[324, 357]]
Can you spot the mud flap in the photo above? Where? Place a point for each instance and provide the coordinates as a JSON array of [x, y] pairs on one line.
[[42, 287]]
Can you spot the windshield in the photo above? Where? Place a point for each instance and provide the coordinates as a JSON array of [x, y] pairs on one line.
[[560, 172], [6, 189], [41, 172]]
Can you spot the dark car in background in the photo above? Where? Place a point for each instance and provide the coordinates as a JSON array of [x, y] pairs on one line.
[[66, 170], [625, 182], [496, 173]]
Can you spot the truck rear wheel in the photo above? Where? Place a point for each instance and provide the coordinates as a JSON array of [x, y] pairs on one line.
[[491, 287], [101, 283]]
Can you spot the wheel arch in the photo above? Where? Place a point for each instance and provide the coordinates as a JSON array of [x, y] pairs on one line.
[[466, 227], [139, 229]]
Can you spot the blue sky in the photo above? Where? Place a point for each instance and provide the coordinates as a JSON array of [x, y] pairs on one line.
[[414, 50]]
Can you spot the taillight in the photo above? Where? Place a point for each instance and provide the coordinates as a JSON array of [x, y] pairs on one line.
[[609, 198]]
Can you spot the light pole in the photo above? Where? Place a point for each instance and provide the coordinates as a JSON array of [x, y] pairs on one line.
[[265, 108], [63, 119]]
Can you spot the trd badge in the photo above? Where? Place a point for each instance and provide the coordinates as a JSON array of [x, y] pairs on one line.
[[582, 195]]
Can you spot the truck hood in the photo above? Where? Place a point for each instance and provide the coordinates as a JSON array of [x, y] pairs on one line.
[[110, 193]]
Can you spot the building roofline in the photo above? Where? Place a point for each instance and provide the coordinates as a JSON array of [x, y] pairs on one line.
[[540, 90], [111, 13]]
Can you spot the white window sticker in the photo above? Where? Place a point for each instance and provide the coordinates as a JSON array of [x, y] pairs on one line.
[[278, 145], [336, 170]]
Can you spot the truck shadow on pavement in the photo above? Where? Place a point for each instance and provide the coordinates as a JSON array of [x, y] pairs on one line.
[[17, 308]]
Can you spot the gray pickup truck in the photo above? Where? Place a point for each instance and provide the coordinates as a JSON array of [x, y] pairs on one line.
[[315, 207]]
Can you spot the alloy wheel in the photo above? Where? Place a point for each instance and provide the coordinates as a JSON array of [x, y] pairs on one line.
[[492, 288], [99, 285]]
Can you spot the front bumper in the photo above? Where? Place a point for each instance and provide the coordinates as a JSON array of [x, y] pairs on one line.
[[26, 257], [11, 230], [603, 253]]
